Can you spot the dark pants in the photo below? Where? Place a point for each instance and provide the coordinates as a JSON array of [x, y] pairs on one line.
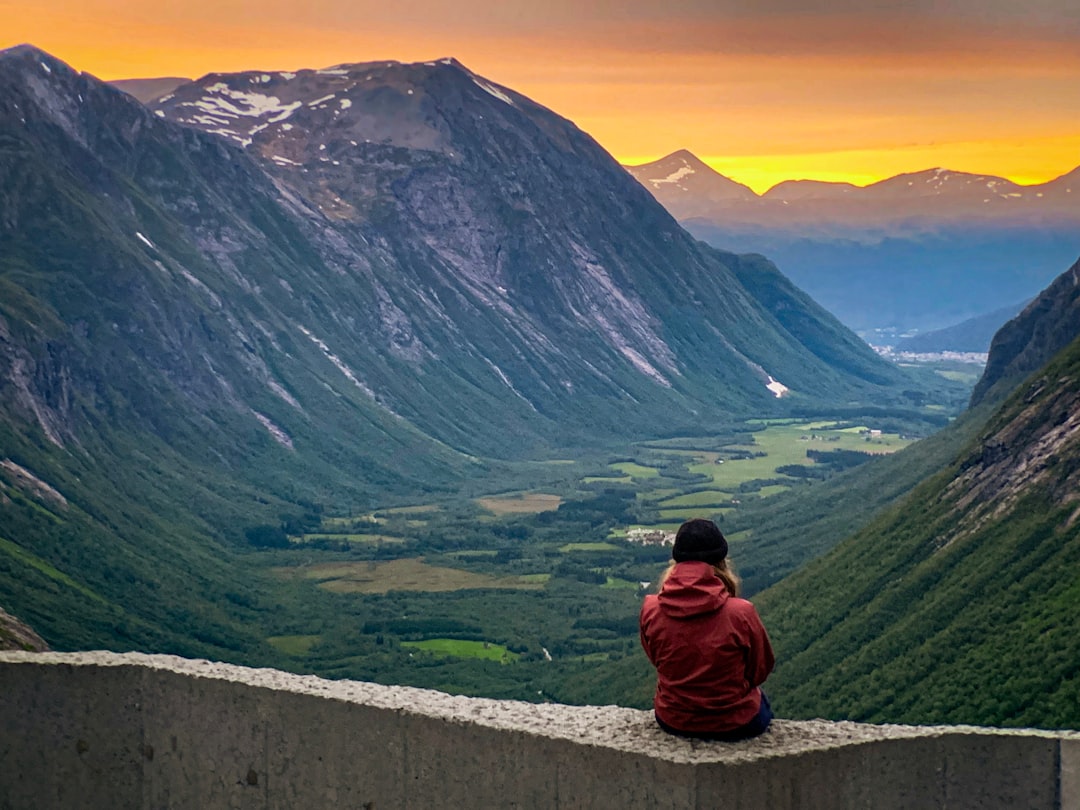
[[752, 729]]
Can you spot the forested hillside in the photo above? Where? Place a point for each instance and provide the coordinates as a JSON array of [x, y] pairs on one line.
[[958, 604]]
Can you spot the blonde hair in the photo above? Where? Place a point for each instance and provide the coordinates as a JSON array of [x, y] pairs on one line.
[[723, 569]]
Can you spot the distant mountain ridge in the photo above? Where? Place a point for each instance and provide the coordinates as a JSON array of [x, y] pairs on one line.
[[924, 250], [972, 335], [683, 172]]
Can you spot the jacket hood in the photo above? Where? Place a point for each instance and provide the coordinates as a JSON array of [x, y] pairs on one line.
[[692, 589]]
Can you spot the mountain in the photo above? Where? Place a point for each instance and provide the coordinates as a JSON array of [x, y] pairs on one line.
[[147, 90], [1029, 340], [687, 186], [496, 200], [790, 190], [955, 605], [923, 250], [972, 335], [339, 287]]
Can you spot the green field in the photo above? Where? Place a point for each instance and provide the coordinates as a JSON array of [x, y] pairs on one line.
[[296, 646], [779, 445], [607, 479], [708, 497], [457, 648], [568, 547], [620, 584], [409, 574]]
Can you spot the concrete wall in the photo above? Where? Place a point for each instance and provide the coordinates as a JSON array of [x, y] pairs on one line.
[[101, 730]]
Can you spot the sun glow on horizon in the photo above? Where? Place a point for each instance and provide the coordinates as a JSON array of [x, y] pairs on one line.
[[1032, 163], [856, 95]]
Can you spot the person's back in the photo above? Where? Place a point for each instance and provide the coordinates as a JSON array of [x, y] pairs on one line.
[[709, 647]]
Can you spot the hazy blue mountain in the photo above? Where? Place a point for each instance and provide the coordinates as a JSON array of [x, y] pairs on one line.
[[148, 90], [924, 250], [972, 335]]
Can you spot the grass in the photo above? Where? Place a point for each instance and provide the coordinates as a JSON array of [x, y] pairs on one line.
[[966, 377], [708, 497], [771, 489], [535, 578], [614, 583], [686, 513], [410, 574], [458, 648], [787, 444], [587, 547], [296, 646], [520, 503]]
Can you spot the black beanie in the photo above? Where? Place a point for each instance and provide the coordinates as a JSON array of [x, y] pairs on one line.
[[699, 539]]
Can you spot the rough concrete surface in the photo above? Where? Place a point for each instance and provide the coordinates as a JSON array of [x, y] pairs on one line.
[[103, 729]]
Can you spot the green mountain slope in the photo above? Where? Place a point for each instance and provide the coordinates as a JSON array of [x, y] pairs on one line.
[[959, 603]]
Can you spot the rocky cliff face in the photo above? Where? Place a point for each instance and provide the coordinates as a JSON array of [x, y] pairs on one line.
[[15, 635], [1028, 341]]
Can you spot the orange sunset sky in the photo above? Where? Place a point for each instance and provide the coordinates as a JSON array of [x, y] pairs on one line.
[[763, 91]]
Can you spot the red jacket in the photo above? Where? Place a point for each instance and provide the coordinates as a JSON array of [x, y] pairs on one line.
[[710, 651]]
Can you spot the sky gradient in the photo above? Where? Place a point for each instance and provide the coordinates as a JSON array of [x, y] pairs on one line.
[[764, 92]]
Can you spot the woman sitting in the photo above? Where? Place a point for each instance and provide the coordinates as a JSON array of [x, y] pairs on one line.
[[709, 647]]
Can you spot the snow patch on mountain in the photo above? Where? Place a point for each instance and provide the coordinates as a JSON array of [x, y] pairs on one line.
[[674, 177], [778, 388], [222, 106], [499, 94]]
